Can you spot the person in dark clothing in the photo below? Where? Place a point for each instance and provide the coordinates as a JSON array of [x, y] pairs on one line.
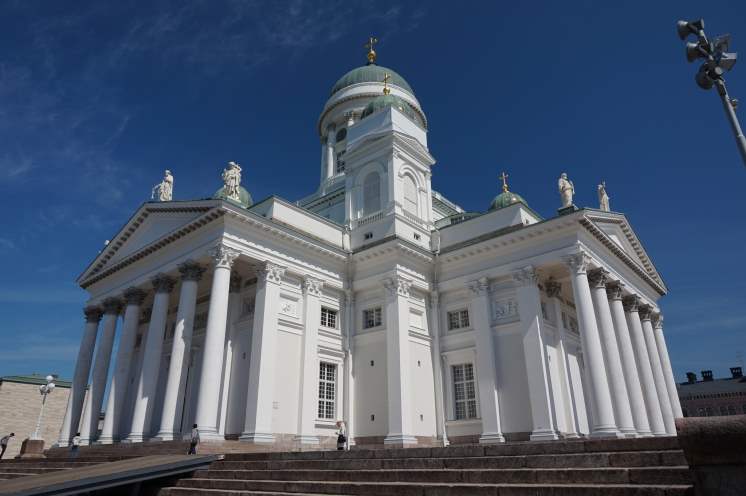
[[4, 443], [341, 435], [194, 441]]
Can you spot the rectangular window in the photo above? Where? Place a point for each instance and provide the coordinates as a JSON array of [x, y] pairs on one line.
[[464, 393], [327, 390], [328, 318], [458, 319], [372, 318]]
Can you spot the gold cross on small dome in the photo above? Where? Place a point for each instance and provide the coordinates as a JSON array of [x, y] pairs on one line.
[[371, 52], [386, 79], [504, 178]]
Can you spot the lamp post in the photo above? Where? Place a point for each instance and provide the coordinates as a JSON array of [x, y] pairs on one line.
[[44, 390], [717, 60]]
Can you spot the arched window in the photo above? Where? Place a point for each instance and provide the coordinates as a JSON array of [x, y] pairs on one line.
[[410, 194], [371, 193]]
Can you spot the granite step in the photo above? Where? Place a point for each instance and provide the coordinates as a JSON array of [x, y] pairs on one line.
[[577, 460], [655, 475], [234, 487]]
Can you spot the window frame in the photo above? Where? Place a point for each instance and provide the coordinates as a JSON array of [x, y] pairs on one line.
[[463, 319], [469, 400], [325, 385], [329, 312], [377, 317]]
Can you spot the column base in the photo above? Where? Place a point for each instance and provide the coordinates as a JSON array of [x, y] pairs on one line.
[[544, 435], [629, 433], [491, 438], [644, 434], [257, 437], [661, 434], [400, 439], [210, 435], [61, 444], [571, 435], [306, 439], [609, 432], [105, 440], [168, 436], [136, 437]]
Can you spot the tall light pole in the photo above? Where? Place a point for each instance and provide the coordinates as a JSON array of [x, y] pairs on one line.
[[44, 390], [717, 60]]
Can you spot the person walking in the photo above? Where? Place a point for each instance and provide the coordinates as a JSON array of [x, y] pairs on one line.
[[75, 445], [341, 437], [4, 443], [194, 441]]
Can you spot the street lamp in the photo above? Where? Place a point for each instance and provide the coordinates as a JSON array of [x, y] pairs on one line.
[[717, 60], [44, 390]]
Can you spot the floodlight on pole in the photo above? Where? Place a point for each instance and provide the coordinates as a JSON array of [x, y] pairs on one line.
[[44, 390], [717, 61]]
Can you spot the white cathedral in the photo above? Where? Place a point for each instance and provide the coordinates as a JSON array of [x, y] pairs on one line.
[[374, 301]]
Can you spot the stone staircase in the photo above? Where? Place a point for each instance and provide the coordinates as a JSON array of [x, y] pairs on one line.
[[649, 467]]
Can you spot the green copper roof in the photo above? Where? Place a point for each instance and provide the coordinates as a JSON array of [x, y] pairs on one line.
[[35, 379], [245, 199], [506, 199], [370, 74], [389, 101]]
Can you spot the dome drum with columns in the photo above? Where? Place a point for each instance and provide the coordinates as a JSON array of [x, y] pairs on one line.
[[375, 301]]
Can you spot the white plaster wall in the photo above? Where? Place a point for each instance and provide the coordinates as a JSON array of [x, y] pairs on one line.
[[371, 395], [422, 389], [552, 354], [287, 372], [512, 382], [576, 383], [491, 221]]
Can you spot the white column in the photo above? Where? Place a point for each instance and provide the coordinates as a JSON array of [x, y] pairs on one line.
[[330, 156], [89, 428], [133, 298], [397, 361], [644, 370], [173, 399], [553, 290], [602, 410], [214, 351], [309, 393], [231, 348], [147, 383], [543, 415], [489, 403], [349, 320], [258, 424], [619, 395], [655, 364], [660, 342], [434, 314], [75, 398], [629, 365]]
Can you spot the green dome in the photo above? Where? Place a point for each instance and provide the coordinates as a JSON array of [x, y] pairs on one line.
[[244, 197], [389, 100], [370, 74], [505, 199]]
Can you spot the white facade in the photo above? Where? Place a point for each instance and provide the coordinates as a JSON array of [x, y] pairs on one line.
[[375, 301]]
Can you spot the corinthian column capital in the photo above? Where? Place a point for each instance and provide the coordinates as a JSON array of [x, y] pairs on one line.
[[312, 286], [631, 303], [525, 276], [163, 283], [270, 272], [658, 320], [134, 296], [112, 306], [222, 256], [93, 313], [191, 271], [614, 290], [479, 287], [397, 286], [597, 278], [577, 262], [645, 311]]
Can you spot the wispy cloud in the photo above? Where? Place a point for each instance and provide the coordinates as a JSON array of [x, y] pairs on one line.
[[6, 244]]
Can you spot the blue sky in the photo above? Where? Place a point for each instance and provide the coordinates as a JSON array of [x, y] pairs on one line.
[[97, 98]]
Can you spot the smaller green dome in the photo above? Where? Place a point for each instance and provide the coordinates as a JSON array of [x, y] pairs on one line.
[[244, 197], [370, 73], [505, 199], [389, 100]]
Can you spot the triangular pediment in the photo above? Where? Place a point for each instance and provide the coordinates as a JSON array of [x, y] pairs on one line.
[[618, 234], [152, 222]]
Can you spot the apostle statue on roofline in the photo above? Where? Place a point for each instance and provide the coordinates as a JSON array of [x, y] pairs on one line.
[[603, 197], [232, 180], [164, 189], [566, 190]]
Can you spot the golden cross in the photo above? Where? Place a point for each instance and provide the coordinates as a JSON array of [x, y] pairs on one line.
[[504, 177], [386, 78], [371, 52]]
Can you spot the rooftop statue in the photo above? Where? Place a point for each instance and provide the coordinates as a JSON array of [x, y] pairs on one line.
[[603, 198], [232, 181], [165, 188], [566, 189]]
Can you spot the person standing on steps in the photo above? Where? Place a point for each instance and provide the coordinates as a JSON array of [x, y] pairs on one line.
[[75, 445], [4, 443], [341, 437], [194, 441]]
